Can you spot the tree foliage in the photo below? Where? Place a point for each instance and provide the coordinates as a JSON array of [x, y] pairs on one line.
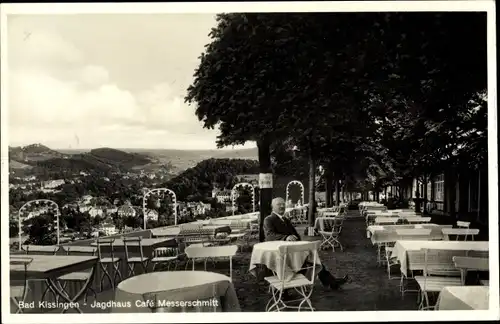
[[201, 179]]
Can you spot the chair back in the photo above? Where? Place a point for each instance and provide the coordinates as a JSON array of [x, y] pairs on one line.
[[414, 234], [469, 232], [463, 224], [165, 252], [478, 254], [128, 241], [461, 232], [470, 263], [108, 242], [327, 224], [202, 252], [440, 262], [302, 247]]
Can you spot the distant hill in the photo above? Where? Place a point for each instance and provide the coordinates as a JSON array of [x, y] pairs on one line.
[[119, 158], [180, 160], [37, 158], [74, 164], [33, 153]]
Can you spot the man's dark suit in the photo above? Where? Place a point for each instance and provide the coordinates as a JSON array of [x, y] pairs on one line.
[[277, 229]]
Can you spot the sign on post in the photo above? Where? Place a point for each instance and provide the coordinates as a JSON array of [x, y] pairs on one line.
[[265, 180]]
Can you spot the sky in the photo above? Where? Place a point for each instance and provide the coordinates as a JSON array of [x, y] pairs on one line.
[[108, 80]]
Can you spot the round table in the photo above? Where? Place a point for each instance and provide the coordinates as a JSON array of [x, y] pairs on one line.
[[267, 253], [175, 291]]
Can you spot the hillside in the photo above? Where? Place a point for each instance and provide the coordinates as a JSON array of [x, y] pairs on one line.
[[74, 164], [201, 179], [33, 153], [180, 160], [18, 165], [39, 159], [119, 158]]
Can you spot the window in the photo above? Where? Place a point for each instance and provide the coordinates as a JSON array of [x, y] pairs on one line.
[[439, 188]]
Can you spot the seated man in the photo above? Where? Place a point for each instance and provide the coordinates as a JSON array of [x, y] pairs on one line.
[[279, 228]]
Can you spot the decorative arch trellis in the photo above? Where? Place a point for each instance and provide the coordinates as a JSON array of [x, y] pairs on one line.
[[158, 190], [49, 204], [244, 185], [297, 182]]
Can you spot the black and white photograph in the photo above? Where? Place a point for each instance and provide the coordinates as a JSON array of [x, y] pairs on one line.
[[337, 159]]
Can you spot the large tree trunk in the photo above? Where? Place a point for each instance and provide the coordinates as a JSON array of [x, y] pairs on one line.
[[464, 191], [453, 193], [425, 195], [417, 196], [312, 186], [337, 192], [328, 185], [266, 188]]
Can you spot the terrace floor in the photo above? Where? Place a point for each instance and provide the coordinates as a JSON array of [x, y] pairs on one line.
[[370, 289]]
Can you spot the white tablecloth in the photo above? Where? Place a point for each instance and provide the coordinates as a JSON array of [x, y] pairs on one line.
[[176, 286], [417, 219], [387, 236], [267, 253], [411, 257], [464, 298], [387, 233]]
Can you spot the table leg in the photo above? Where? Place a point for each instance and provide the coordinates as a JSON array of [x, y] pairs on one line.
[[55, 286]]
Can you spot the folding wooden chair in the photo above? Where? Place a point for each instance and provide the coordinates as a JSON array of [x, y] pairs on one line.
[[469, 263], [19, 290], [79, 277], [298, 282], [439, 272], [133, 261], [112, 261], [165, 256], [212, 252], [330, 229], [42, 250]]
